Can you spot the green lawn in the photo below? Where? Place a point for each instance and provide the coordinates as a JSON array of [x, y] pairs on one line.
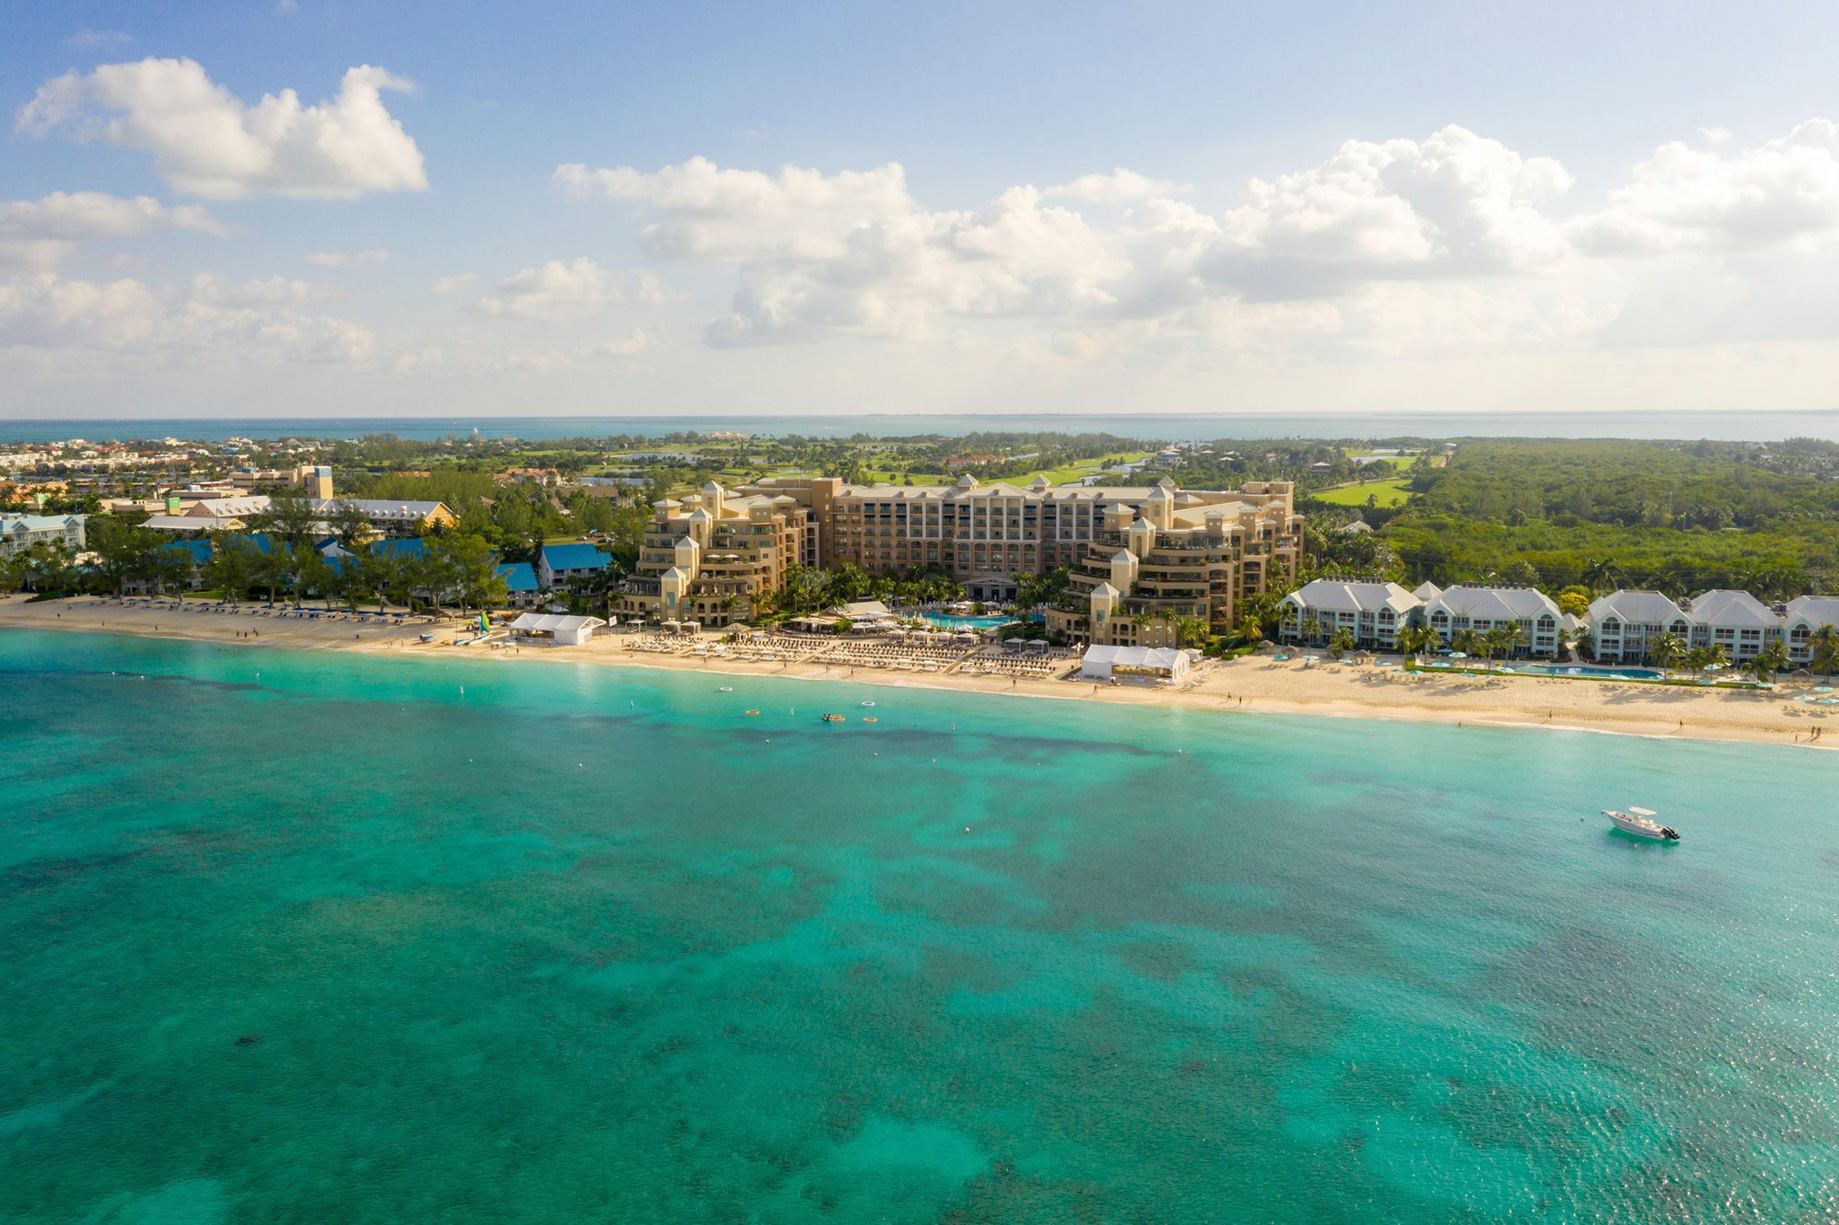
[[1385, 493]]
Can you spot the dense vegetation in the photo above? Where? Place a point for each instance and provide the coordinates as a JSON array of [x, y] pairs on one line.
[[1672, 517]]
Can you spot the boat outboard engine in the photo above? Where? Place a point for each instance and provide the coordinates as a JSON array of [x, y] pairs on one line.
[[1669, 833]]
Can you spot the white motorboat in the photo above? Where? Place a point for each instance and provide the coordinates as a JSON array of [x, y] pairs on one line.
[[1641, 823]]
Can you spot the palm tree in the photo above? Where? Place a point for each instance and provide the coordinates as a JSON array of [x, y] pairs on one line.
[[1772, 659], [1342, 642], [1823, 650], [1312, 630], [1429, 640], [1506, 637], [1665, 651], [1407, 639], [1562, 646]]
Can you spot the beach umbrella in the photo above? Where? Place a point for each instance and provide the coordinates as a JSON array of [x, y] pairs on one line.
[[1458, 655], [1822, 688]]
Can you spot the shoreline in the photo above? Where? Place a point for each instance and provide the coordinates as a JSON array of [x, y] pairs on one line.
[[1253, 685]]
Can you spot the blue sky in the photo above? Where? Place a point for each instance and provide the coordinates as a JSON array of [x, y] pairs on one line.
[[556, 208]]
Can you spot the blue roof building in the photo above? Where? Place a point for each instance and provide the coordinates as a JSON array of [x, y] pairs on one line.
[[561, 562], [520, 585], [518, 576], [404, 548]]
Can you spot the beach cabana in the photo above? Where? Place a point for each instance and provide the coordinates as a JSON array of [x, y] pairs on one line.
[[559, 630], [1103, 663]]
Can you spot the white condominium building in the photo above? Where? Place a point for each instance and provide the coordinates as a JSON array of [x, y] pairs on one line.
[[1374, 612], [1806, 616]]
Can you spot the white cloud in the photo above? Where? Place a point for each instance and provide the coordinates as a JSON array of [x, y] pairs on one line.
[[45, 232], [1686, 199], [724, 215], [1396, 238], [631, 345], [1119, 187], [206, 320], [447, 286], [348, 259], [86, 39], [207, 142], [557, 290]]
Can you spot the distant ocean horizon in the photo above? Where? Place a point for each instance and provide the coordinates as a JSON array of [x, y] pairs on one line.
[[1173, 427]]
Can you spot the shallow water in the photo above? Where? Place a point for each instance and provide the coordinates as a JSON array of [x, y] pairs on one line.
[[590, 944]]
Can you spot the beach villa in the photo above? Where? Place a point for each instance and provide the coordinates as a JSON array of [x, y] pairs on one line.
[[520, 585], [1484, 609], [1806, 616], [21, 532], [1374, 612], [559, 563], [1626, 624]]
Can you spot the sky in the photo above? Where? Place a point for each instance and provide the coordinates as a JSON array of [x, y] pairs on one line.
[[343, 208]]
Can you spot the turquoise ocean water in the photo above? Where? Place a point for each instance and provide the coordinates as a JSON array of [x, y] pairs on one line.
[[589, 944]]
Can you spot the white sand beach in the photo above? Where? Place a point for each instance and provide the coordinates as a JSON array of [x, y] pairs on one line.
[[1251, 686]]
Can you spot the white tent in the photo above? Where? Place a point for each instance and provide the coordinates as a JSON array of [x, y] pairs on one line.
[[563, 631], [1158, 663]]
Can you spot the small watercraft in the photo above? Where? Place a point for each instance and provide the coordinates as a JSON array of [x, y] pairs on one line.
[[727, 689], [868, 703], [828, 718], [1641, 823], [868, 718], [752, 712]]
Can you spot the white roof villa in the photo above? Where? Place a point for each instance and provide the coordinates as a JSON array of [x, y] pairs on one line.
[[1372, 611], [1806, 616], [1738, 609]]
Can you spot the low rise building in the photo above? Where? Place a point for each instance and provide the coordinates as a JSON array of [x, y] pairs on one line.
[[1734, 620], [521, 589], [1625, 624], [21, 532], [1373, 612], [1487, 609], [559, 564], [1802, 622]]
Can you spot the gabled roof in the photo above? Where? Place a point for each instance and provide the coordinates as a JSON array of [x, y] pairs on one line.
[[1733, 608], [574, 557], [1427, 591], [1817, 610], [1492, 603], [518, 576], [1332, 595], [1638, 607], [552, 623], [405, 547]]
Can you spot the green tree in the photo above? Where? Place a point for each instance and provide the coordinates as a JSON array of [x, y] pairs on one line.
[[1342, 642], [234, 566], [1823, 650], [290, 517], [1665, 651], [1772, 659]]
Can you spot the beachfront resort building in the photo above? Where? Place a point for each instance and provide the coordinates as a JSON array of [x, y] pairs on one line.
[[984, 535], [1373, 612], [1164, 559], [1486, 609], [20, 532], [559, 564], [712, 557], [1804, 618], [1626, 625]]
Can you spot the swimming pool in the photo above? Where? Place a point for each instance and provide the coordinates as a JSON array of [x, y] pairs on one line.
[[947, 621], [1602, 674]]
